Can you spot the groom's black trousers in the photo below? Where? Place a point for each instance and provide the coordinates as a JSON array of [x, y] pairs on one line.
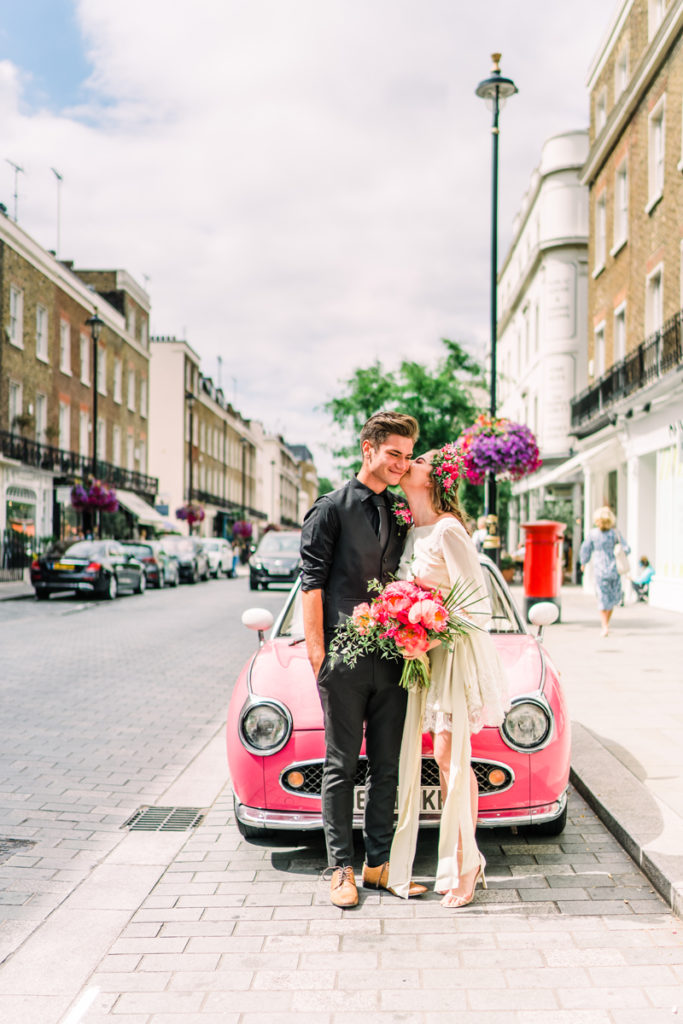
[[368, 693]]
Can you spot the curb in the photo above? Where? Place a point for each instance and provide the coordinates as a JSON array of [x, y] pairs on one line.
[[649, 831]]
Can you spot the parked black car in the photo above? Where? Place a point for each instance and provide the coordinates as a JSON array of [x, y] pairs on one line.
[[146, 554], [276, 559], [193, 564], [99, 567]]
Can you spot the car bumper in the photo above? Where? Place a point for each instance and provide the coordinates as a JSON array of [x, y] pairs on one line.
[[263, 576], [306, 821]]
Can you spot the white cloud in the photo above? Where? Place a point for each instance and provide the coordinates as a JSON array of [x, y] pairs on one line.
[[307, 184]]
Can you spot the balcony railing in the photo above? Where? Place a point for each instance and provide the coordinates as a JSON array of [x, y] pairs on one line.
[[70, 465], [654, 357], [233, 508]]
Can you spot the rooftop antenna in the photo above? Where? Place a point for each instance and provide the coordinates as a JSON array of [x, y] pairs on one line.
[[146, 278], [60, 179], [17, 171], [219, 373]]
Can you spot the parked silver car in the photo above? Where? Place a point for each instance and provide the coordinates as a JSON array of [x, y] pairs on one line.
[[219, 553]]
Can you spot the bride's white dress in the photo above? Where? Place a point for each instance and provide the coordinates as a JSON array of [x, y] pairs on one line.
[[467, 690]]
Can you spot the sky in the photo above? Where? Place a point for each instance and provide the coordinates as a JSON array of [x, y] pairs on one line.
[[303, 186]]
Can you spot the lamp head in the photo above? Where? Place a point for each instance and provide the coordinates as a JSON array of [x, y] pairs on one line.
[[95, 325], [496, 88]]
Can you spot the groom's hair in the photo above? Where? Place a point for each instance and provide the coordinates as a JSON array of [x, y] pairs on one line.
[[380, 426]]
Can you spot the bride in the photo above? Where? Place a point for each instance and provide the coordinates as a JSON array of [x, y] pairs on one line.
[[467, 690]]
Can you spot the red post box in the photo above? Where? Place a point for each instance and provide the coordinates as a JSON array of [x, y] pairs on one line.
[[543, 563]]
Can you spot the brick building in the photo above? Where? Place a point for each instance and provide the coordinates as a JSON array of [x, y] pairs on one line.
[[628, 419], [47, 390]]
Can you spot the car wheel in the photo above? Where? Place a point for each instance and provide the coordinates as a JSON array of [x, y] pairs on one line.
[[42, 595], [264, 586], [112, 588], [248, 831], [141, 585], [551, 828]]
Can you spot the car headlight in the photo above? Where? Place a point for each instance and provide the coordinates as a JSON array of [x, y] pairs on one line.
[[265, 727], [256, 565], [527, 725]]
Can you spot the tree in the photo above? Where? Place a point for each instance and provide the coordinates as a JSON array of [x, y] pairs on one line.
[[325, 485], [439, 397]]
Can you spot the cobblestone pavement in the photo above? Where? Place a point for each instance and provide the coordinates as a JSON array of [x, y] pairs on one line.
[[104, 704], [568, 931]]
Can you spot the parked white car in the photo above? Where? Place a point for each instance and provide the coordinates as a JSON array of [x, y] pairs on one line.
[[219, 553]]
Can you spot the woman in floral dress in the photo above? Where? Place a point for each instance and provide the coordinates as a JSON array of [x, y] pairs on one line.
[[598, 549]]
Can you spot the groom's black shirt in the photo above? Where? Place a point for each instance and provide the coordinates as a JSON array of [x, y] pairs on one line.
[[341, 552]]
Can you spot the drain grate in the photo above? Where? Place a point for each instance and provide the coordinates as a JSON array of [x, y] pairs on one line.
[[165, 819]]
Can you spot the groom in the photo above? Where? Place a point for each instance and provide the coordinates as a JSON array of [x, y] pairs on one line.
[[350, 537]]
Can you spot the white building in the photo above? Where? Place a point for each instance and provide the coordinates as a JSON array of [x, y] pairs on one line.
[[278, 482], [542, 307]]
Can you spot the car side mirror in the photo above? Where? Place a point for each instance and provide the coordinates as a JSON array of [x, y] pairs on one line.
[[259, 619], [543, 614]]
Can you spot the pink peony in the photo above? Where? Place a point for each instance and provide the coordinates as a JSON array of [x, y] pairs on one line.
[[363, 618], [412, 640], [429, 614]]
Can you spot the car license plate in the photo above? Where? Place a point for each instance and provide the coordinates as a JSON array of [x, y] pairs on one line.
[[430, 799], [65, 566]]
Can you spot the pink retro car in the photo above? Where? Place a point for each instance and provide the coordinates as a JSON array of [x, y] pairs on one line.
[[276, 743]]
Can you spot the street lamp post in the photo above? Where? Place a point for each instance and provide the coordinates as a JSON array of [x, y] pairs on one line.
[[190, 400], [244, 443], [495, 90], [95, 325]]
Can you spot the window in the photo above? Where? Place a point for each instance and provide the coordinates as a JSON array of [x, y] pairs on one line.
[[656, 139], [65, 346], [102, 370], [600, 232], [654, 309], [116, 445], [143, 397], [599, 350], [620, 333], [14, 405], [130, 453], [621, 205], [83, 434], [130, 322], [118, 381], [142, 456], [101, 439], [64, 425], [131, 390], [41, 334], [143, 334], [600, 111], [84, 349], [41, 417], [621, 73], [16, 316]]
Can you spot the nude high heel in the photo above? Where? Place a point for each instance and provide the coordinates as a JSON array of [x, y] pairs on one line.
[[464, 901]]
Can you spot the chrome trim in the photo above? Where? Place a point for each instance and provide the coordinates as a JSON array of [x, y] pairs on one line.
[[250, 688], [320, 761], [541, 701], [307, 822], [254, 702]]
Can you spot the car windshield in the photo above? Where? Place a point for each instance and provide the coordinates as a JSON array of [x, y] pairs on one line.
[[504, 618], [139, 550], [211, 545], [280, 544], [179, 545], [82, 549]]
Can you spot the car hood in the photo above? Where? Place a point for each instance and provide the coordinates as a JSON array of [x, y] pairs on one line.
[[281, 670], [289, 560]]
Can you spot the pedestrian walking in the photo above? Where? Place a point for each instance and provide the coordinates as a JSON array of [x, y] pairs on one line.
[[605, 550], [350, 537], [641, 583]]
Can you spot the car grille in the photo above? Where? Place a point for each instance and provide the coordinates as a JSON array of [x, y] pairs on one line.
[[313, 776]]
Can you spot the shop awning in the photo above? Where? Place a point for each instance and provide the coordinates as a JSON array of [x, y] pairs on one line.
[[560, 474], [144, 513]]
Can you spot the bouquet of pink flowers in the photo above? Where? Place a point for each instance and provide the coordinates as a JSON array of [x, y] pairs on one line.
[[401, 622]]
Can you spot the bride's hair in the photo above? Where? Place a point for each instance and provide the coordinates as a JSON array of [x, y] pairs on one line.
[[446, 464]]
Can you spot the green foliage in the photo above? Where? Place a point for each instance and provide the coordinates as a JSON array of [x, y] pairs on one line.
[[325, 485], [438, 397]]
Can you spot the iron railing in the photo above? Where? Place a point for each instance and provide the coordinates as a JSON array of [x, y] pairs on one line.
[[233, 508], [68, 464], [654, 357]]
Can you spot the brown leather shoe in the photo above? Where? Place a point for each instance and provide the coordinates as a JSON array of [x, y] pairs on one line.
[[378, 878], [343, 891]]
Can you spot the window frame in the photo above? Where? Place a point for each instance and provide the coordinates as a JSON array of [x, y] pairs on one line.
[[42, 336], [16, 316], [600, 233], [621, 206], [651, 326], [619, 316], [65, 346], [656, 162]]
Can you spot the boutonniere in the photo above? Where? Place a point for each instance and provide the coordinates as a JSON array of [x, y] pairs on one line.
[[402, 513]]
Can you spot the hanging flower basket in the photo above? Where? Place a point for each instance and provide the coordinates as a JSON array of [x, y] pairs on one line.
[[96, 496], [498, 446], [242, 529], [190, 513]]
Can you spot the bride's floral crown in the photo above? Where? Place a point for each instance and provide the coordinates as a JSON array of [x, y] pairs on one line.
[[447, 466]]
